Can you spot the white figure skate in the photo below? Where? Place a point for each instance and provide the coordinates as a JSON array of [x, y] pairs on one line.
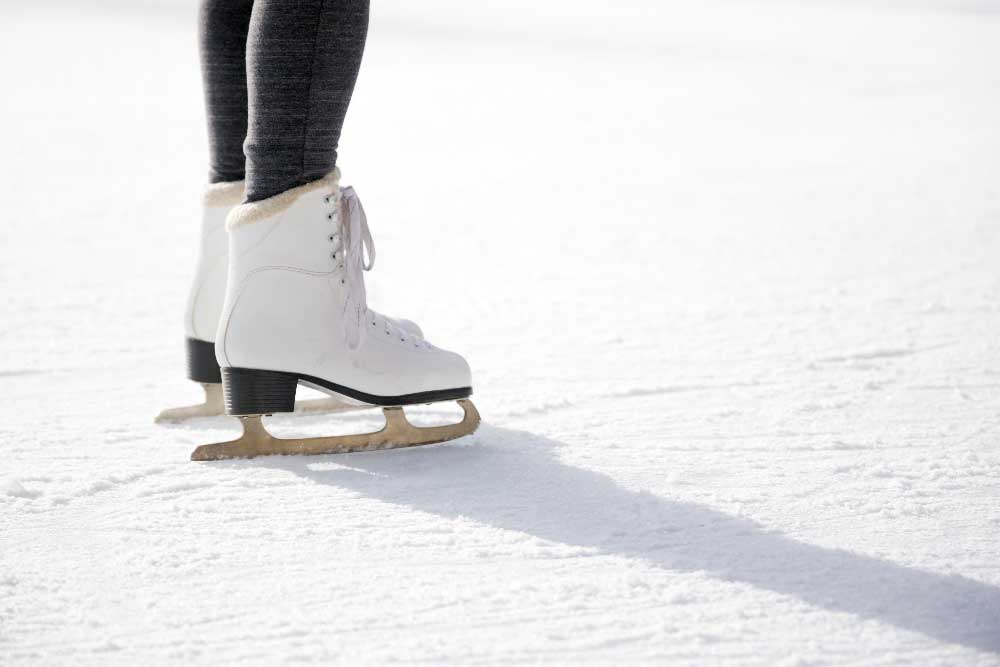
[[296, 313], [204, 308]]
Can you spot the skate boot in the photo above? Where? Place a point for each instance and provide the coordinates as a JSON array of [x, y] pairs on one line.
[[204, 307], [296, 313]]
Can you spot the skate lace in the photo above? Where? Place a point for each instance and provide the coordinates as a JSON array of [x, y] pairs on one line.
[[356, 244]]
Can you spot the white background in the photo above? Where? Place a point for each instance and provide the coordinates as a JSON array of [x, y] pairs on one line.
[[728, 275]]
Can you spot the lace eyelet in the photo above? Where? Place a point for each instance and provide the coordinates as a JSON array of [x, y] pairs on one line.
[[329, 216]]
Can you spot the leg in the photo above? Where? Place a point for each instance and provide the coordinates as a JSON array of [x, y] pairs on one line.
[[288, 31], [303, 58], [222, 36], [223, 31], [296, 308]]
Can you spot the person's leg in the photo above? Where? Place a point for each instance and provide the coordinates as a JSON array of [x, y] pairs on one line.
[[302, 60], [223, 30], [222, 35], [296, 308]]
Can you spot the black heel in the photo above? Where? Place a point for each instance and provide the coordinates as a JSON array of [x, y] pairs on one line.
[[253, 392], [202, 366]]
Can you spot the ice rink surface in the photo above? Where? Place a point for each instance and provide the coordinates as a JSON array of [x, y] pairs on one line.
[[728, 275]]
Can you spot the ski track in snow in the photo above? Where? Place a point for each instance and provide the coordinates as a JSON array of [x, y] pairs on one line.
[[727, 274]]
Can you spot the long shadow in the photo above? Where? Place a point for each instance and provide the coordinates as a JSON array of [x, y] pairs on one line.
[[513, 480]]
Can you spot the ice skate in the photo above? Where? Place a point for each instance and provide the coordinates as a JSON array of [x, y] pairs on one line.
[[296, 313], [204, 307], [204, 304]]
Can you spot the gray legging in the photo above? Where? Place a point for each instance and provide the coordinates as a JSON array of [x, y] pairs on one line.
[[278, 78]]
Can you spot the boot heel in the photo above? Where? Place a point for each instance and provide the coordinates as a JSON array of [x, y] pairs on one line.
[[253, 392], [202, 366]]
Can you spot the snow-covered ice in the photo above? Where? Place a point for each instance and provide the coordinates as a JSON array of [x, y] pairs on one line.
[[728, 274]]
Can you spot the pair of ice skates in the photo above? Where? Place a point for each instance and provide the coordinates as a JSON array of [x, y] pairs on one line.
[[280, 301]]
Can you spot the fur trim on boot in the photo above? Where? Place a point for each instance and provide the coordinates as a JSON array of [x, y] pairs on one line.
[[245, 214], [229, 193]]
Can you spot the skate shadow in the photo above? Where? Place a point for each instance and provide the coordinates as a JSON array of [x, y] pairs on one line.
[[514, 480]]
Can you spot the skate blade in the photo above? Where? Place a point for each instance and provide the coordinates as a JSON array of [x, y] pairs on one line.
[[330, 404], [214, 406], [398, 432]]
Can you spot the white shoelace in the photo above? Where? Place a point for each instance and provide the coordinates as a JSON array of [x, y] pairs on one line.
[[358, 242]]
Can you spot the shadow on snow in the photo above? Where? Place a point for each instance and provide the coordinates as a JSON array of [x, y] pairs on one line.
[[513, 480]]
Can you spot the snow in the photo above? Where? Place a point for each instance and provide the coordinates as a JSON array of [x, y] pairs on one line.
[[727, 274], [12, 487]]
